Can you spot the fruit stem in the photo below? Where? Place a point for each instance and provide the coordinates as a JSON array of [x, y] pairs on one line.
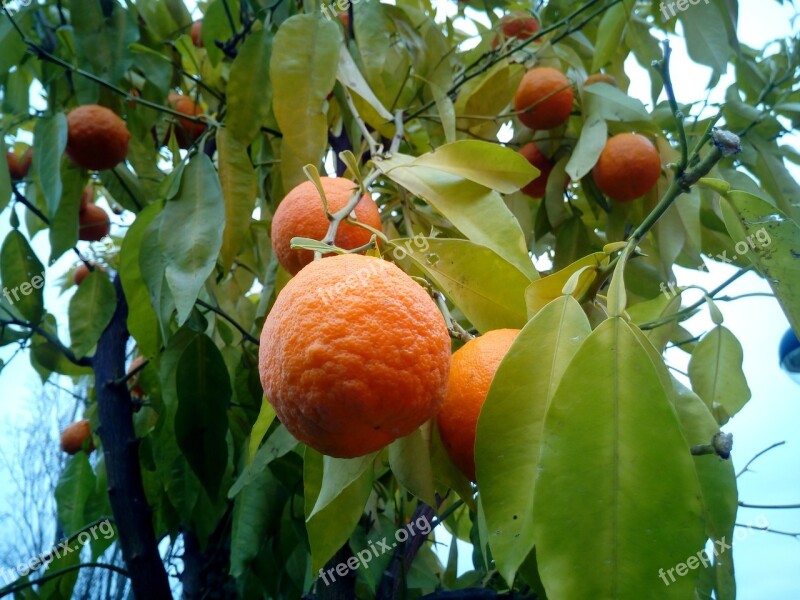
[[453, 326]]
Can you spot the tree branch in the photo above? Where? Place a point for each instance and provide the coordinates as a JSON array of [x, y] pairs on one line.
[[403, 556]]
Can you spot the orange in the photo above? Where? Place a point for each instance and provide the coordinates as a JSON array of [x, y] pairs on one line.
[[93, 220], [537, 187], [18, 166], [187, 131], [74, 437], [471, 373], [600, 77], [197, 33], [544, 98], [628, 167], [301, 214], [345, 19], [354, 354], [97, 138], [516, 25], [136, 388], [82, 271]]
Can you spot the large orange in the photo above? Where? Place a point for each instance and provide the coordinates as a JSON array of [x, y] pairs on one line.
[[187, 131], [538, 186], [628, 167], [471, 372], [97, 138], [301, 214], [354, 354], [74, 437], [544, 98]]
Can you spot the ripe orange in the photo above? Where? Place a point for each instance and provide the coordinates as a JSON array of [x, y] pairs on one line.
[[93, 220], [18, 166], [537, 187], [97, 138], [354, 354], [187, 131], [197, 33], [518, 25], [74, 437], [471, 373], [628, 167], [545, 95], [133, 382], [600, 77], [301, 214]]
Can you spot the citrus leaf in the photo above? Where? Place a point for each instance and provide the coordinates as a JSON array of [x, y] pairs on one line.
[[410, 461], [612, 104], [249, 91], [303, 72], [541, 292], [479, 213], [265, 418], [609, 36], [49, 143], [706, 42], [715, 371], [591, 143], [64, 225], [486, 288], [511, 424], [614, 462], [72, 492], [337, 475], [23, 277], [240, 190], [90, 311], [350, 76], [5, 177], [279, 443], [201, 420], [190, 235]]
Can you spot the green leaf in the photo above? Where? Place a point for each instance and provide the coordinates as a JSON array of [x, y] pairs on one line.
[[190, 236], [491, 165], [706, 41], [609, 35], [351, 77], [479, 213], [773, 242], [663, 305], [541, 292], [240, 190], [90, 311], [49, 143], [265, 418], [74, 487], [715, 371], [614, 462], [5, 177], [142, 319], [201, 421], [604, 101], [337, 475], [278, 444], [487, 289], [331, 527], [511, 425], [249, 91], [23, 277], [102, 43], [410, 461], [591, 143], [303, 72], [64, 224]]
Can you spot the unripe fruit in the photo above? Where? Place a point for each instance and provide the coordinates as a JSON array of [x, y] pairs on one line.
[[18, 166], [74, 436]]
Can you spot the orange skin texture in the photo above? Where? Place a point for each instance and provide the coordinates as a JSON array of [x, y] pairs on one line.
[[74, 436], [628, 167], [98, 138], [197, 33], [537, 187], [18, 166], [188, 131], [471, 372], [353, 355], [301, 214], [546, 96], [517, 25], [94, 223], [136, 388], [600, 77]]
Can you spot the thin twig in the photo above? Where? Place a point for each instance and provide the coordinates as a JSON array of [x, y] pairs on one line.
[[769, 506], [663, 69], [768, 530], [229, 319], [764, 451]]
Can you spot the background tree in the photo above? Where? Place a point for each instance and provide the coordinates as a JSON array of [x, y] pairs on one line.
[[161, 150]]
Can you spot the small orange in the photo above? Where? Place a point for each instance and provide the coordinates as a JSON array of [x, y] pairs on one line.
[[93, 220], [74, 437], [471, 372], [516, 25], [345, 19], [301, 214], [97, 138], [600, 78], [538, 186], [197, 33], [187, 131], [544, 98], [82, 271], [353, 355], [18, 166], [628, 167]]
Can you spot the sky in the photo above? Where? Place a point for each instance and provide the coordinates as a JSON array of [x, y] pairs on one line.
[[767, 565]]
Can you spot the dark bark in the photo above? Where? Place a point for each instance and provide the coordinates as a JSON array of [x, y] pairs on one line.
[[403, 556], [340, 588], [206, 572], [120, 448]]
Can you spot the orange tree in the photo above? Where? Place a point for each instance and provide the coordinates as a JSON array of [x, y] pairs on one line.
[[596, 471]]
